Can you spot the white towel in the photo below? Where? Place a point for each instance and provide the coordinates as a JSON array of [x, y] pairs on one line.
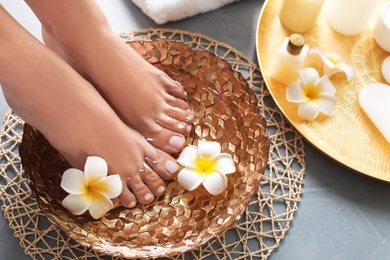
[[162, 11]]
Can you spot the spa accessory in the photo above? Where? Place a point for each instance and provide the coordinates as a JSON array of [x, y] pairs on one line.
[[289, 59], [92, 189], [386, 69], [300, 16], [382, 28], [374, 99], [349, 17], [163, 11], [314, 94], [205, 165], [333, 63]]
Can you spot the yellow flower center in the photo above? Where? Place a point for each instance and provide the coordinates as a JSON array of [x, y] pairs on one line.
[[205, 165], [312, 92], [334, 61]]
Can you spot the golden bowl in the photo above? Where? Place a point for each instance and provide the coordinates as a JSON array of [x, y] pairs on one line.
[[226, 111]]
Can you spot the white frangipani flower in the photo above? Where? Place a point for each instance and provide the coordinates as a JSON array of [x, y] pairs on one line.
[[333, 63], [205, 165], [92, 189], [314, 94]]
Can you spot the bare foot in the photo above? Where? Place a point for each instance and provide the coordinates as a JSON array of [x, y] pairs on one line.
[[144, 97], [51, 96]]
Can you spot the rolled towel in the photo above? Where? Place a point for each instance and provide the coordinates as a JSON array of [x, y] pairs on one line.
[[162, 11]]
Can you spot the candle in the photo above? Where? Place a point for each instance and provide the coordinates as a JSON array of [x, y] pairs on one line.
[[382, 28], [386, 69], [374, 99], [300, 16], [349, 17]]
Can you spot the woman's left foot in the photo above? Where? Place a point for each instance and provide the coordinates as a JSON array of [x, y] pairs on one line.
[[144, 97]]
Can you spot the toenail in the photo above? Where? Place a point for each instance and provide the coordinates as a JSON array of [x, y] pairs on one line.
[[131, 204], [189, 127], [176, 141], [160, 189], [171, 167], [148, 196], [189, 118]]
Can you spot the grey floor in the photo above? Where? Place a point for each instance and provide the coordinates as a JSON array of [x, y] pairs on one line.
[[342, 215]]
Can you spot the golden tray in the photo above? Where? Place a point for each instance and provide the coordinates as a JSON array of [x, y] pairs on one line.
[[226, 111], [349, 137]]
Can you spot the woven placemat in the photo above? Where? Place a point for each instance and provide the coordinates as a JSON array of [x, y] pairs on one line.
[[255, 235]]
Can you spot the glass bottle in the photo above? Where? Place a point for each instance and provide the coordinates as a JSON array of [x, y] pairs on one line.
[[289, 59]]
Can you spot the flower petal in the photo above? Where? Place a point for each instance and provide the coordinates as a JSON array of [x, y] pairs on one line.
[[208, 148], [336, 58], [331, 60], [95, 168], [111, 186], [73, 182], [309, 76], [348, 71], [326, 104], [215, 183], [190, 179], [295, 93], [224, 163], [77, 204], [315, 51], [326, 86], [308, 110], [188, 156], [100, 205]]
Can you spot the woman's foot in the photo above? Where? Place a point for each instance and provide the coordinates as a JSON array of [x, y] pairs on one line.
[[51, 96], [144, 97]]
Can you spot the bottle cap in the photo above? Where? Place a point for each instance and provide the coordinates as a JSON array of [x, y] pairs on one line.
[[295, 44]]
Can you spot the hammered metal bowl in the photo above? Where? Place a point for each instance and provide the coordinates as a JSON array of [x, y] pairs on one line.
[[226, 111]]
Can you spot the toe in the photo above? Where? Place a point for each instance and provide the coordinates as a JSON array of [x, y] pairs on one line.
[[175, 125], [182, 115], [167, 140], [174, 88], [141, 191], [127, 198], [166, 166], [153, 181]]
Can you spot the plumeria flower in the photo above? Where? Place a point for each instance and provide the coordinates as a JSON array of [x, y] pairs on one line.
[[314, 94], [333, 63], [92, 189], [205, 165]]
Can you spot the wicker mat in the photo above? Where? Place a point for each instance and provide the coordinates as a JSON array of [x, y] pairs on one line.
[[254, 236]]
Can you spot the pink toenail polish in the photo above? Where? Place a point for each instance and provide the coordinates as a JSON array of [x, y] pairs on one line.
[[131, 204], [189, 118], [160, 189], [148, 196], [189, 127], [177, 142], [171, 167]]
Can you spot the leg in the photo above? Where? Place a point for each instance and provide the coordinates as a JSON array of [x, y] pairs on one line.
[[51, 96], [144, 98]]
